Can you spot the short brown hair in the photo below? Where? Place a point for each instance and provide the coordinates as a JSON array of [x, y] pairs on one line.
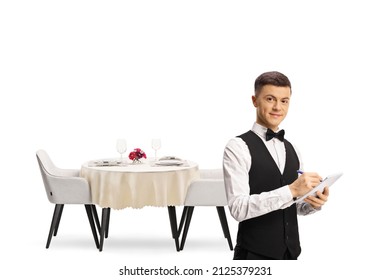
[[271, 78]]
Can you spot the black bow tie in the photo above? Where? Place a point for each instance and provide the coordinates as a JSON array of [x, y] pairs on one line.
[[270, 134]]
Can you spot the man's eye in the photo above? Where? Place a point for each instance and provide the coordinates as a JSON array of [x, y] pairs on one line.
[[269, 99]]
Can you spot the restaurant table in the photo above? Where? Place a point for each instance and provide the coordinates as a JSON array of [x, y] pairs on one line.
[[118, 185]]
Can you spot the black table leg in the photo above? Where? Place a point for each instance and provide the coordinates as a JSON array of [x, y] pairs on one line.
[[173, 221], [108, 221], [104, 226]]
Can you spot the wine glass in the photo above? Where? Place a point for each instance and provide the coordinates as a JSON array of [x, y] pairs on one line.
[[156, 144], [121, 147]]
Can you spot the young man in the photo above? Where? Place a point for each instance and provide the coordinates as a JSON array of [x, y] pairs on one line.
[[261, 178]]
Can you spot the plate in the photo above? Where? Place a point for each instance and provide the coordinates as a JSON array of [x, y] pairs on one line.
[[169, 162], [105, 163]]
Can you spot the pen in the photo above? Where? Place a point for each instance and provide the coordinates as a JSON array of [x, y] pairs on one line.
[[301, 172]]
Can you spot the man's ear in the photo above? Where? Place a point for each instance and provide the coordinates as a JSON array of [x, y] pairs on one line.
[[254, 100]]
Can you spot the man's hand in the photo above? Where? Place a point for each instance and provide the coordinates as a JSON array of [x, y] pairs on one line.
[[319, 200], [305, 183]]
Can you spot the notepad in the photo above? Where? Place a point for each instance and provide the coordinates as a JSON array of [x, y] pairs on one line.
[[328, 181]]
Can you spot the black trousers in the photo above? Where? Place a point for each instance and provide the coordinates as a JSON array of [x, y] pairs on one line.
[[243, 254]]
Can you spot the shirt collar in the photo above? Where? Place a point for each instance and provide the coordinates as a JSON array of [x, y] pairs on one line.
[[260, 130]]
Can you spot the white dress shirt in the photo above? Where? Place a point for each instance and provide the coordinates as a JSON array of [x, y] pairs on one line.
[[236, 166]]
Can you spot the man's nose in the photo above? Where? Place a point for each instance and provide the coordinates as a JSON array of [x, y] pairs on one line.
[[277, 106]]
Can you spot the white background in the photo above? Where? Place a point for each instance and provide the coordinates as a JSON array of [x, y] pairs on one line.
[[77, 75]]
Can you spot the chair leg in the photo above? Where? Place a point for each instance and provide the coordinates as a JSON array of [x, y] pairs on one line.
[[54, 222], [224, 224], [190, 211], [182, 219], [96, 217], [88, 208], [57, 224]]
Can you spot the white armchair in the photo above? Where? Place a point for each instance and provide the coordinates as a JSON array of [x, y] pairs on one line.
[[209, 190], [64, 186]]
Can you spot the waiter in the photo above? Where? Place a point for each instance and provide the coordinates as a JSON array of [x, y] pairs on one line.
[[261, 178]]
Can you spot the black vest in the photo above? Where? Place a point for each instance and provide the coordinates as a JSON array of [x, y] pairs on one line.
[[273, 233]]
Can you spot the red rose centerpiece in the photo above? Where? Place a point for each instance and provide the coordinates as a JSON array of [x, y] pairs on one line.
[[136, 155]]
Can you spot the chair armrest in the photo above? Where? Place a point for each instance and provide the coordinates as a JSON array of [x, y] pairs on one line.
[[211, 173], [206, 192], [68, 172], [68, 190]]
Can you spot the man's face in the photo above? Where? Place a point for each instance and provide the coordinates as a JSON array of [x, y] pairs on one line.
[[272, 105]]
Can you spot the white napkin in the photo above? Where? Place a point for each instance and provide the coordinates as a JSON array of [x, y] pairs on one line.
[[104, 163], [169, 161]]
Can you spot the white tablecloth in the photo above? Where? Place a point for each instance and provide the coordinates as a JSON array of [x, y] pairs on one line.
[[139, 185]]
